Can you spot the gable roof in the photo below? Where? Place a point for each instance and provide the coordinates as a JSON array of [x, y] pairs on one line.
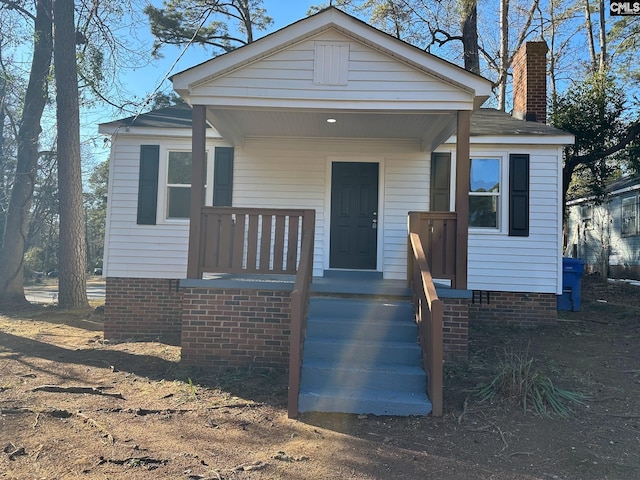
[[325, 20]]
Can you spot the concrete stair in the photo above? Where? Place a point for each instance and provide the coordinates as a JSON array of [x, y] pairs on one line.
[[361, 356]]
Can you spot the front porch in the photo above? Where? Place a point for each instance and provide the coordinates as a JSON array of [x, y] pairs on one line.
[[248, 297]]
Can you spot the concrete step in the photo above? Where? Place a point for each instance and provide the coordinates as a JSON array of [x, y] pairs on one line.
[[369, 309], [322, 375], [361, 330], [361, 401], [362, 353]]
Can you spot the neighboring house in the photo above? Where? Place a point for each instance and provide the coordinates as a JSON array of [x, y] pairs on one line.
[[356, 128], [605, 233]]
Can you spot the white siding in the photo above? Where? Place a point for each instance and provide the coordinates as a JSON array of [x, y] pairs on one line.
[[270, 174], [498, 262], [369, 75], [406, 189], [147, 251], [287, 173]]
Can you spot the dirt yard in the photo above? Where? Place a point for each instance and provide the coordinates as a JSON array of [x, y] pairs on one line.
[[73, 406]]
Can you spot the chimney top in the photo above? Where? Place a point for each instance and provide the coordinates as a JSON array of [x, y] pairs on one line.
[[530, 82]]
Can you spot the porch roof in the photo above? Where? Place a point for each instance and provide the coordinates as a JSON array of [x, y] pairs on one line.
[[488, 123], [332, 66]]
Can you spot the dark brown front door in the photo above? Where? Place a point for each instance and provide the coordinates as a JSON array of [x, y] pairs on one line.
[[354, 215]]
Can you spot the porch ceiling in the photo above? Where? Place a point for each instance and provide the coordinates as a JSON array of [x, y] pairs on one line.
[[235, 125]]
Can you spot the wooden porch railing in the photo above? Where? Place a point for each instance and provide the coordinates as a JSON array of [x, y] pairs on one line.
[[428, 308], [437, 231], [299, 310], [264, 241], [251, 240]]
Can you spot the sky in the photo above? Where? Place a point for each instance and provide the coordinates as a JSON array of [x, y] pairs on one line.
[[141, 82], [283, 12]]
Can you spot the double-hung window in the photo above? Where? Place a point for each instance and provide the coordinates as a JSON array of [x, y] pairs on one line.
[[630, 216], [586, 213], [485, 193], [178, 185]]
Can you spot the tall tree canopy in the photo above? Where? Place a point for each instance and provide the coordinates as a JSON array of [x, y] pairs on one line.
[[221, 25], [595, 112]]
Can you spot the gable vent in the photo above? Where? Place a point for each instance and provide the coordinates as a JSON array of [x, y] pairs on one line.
[[331, 63]]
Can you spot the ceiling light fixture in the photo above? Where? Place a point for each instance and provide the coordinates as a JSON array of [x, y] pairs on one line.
[[331, 120]]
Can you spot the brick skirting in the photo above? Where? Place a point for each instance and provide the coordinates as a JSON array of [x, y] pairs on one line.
[[227, 328], [513, 309], [455, 330], [143, 309]]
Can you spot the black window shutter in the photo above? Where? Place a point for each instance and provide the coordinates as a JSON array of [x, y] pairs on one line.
[[148, 184], [519, 195], [440, 182], [223, 177]]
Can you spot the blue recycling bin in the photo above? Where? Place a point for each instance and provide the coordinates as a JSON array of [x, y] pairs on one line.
[[572, 270]]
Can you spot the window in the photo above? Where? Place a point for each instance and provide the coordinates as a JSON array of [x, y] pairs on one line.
[[586, 212], [630, 216], [178, 184], [484, 193]]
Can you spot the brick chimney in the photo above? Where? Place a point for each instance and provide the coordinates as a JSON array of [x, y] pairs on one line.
[[530, 82]]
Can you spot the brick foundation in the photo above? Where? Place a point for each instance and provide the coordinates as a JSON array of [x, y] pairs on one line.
[[513, 309], [228, 328], [143, 309], [455, 330]]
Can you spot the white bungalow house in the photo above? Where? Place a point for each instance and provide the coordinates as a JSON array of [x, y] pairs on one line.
[[604, 232], [303, 154]]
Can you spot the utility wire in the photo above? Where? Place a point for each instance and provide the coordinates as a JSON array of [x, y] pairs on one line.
[[175, 62]]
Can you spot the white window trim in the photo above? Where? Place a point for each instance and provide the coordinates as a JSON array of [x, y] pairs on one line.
[[634, 203], [503, 202], [163, 185]]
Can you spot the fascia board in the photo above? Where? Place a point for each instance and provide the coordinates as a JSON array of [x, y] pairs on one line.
[[122, 131], [518, 140]]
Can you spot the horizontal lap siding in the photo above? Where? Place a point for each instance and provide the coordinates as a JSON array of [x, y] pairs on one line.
[[283, 174], [289, 74], [406, 189], [498, 262], [142, 251], [291, 173], [625, 250]]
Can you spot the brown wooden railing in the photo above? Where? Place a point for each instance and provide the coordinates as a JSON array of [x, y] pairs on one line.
[[264, 241], [437, 231], [428, 308], [299, 310], [251, 240]]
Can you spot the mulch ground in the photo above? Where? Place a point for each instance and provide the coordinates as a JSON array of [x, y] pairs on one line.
[[74, 406]]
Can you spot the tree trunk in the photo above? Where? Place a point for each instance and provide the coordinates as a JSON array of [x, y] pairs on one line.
[[603, 39], [3, 162], [17, 221], [589, 27], [72, 257], [470, 36]]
